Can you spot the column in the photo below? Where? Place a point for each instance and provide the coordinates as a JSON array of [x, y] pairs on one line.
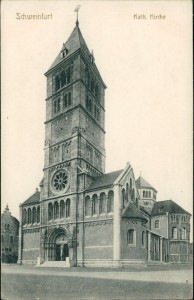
[[117, 225], [20, 237], [149, 245], [160, 249]]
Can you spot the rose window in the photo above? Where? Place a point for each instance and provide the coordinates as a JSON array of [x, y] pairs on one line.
[[60, 181]]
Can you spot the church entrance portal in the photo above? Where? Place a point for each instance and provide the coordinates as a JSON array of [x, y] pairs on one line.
[[62, 251], [57, 246]]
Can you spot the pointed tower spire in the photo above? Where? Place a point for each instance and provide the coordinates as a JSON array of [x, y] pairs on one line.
[[77, 10]]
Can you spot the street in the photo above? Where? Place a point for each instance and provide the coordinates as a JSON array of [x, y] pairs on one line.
[[27, 283]]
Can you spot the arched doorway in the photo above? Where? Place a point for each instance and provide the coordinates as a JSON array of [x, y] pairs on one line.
[[57, 245], [61, 248]]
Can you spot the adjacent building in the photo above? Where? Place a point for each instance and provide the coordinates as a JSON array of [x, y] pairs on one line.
[[9, 237]]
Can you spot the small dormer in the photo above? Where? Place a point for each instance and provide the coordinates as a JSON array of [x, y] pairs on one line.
[[64, 52]]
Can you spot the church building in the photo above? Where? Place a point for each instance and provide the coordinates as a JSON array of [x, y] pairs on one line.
[[83, 216]]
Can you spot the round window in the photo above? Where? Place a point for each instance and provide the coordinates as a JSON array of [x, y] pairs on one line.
[[60, 181]]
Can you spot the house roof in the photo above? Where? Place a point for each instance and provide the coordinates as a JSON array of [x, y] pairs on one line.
[[142, 183], [35, 198], [162, 207], [133, 212], [74, 43], [104, 180]]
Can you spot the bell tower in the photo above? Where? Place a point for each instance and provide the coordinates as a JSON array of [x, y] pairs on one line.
[[74, 126]]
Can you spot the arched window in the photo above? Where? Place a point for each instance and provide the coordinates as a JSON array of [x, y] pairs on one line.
[[133, 195], [92, 85], [157, 224], [94, 204], [131, 239], [62, 209], [127, 191], [56, 210], [183, 233], [87, 206], [33, 215], [55, 106], [149, 194], [38, 214], [57, 83], [24, 216], [50, 211], [102, 206], [29, 216], [68, 208], [68, 75], [69, 98], [123, 198], [63, 79], [144, 194], [110, 201], [143, 238], [58, 105], [174, 233], [130, 188], [96, 90]]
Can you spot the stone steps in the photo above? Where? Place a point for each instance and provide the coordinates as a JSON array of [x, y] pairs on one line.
[[55, 264]]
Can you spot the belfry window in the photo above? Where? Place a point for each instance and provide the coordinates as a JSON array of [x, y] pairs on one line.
[[67, 100]]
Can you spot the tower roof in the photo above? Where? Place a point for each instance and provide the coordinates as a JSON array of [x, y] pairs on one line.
[[162, 207], [142, 183], [74, 42]]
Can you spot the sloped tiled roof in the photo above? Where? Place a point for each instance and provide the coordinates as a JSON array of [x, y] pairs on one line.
[[162, 207], [74, 42], [141, 182], [35, 198], [133, 212], [104, 180]]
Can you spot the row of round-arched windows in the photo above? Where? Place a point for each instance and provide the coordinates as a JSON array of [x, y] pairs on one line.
[[59, 210], [31, 215], [99, 205], [131, 237]]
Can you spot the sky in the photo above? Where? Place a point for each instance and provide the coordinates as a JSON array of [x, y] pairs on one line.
[[147, 67]]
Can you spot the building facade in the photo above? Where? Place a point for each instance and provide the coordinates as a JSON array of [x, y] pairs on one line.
[[9, 237], [83, 216]]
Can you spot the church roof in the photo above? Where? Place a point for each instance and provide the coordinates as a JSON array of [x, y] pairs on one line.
[[104, 180], [162, 207], [35, 198], [133, 212], [142, 183], [74, 43]]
